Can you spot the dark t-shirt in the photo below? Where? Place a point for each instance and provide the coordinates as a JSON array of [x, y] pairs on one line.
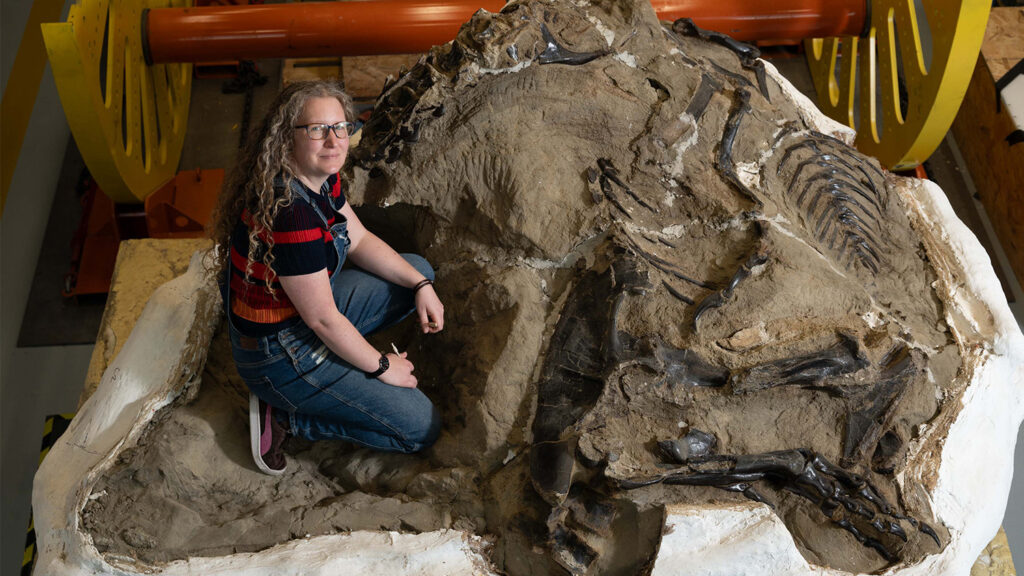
[[302, 245]]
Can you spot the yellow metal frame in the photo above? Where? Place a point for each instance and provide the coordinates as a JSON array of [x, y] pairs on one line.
[[900, 136], [130, 130]]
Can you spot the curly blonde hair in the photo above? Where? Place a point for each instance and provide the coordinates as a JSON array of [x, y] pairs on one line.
[[250, 185]]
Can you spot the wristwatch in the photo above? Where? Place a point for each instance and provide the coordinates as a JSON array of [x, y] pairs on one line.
[[382, 368]]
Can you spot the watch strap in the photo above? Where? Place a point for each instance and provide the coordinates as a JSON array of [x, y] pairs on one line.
[[382, 367]]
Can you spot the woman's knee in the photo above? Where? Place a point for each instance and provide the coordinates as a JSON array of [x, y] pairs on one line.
[[422, 429], [420, 264]]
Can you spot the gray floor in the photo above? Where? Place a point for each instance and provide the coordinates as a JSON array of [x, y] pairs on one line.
[[38, 381]]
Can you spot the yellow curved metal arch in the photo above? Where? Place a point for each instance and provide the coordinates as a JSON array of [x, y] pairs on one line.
[[860, 76], [128, 119]]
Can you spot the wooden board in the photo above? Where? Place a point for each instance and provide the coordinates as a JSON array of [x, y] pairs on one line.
[[299, 69], [365, 75], [1003, 46], [995, 559], [981, 128]]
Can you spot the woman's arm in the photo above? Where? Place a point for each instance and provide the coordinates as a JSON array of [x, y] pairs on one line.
[[374, 255], [312, 297]]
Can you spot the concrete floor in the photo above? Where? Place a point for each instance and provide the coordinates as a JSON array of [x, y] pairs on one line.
[[35, 382]]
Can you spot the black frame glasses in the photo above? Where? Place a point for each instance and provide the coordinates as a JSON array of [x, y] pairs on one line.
[[319, 131]]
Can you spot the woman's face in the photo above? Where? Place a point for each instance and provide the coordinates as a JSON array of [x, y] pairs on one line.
[[315, 160]]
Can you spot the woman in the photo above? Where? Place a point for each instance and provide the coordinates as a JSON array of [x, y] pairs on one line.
[[298, 321]]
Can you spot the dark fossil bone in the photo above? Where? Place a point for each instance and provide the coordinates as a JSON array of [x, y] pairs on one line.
[[702, 96], [386, 132], [830, 176], [568, 549], [717, 299], [747, 54], [888, 451], [411, 134], [686, 27], [831, 160], [665, 265], [609, 172], [596, 195], [809, 370], [832, 168], [845, 498], [555, 53], [849, 220], [608, 169], [683, 367], [724, 162], [551, 467], [585, 342], [837, 211], [694, 444], [606, 189], [588, 348], [788, 129], [679, 295], [589, 509], [872, 408], [670, 34], [826, 165], [859, 250], [838, 204], [585, 345], [571, 379], [843, 148], [577, 526], [739, 79], [762, 80], [850, 158]]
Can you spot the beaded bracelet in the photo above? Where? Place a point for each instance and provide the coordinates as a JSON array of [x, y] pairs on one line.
[[421, 284]]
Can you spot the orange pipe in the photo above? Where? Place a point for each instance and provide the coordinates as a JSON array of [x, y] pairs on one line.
[[408, 26], [751, 21]]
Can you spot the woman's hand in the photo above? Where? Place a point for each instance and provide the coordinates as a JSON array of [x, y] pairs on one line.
[[430, 310], [399, 372]]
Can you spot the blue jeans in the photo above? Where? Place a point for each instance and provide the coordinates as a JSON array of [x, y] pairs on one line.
[[324, 396]]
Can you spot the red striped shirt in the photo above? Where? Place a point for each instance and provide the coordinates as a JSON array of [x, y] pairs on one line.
[[302, 245]]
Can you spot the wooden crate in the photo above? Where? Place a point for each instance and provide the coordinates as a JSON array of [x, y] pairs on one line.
[[365, 75], [983, 125], [299, 69]]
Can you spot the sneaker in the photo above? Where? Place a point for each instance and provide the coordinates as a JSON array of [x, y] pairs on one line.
[[266, 435]]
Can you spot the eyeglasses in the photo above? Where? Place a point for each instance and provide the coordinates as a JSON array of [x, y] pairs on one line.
[[319, 131]]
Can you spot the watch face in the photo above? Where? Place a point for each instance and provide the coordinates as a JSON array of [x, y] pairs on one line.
[[384, 363]]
